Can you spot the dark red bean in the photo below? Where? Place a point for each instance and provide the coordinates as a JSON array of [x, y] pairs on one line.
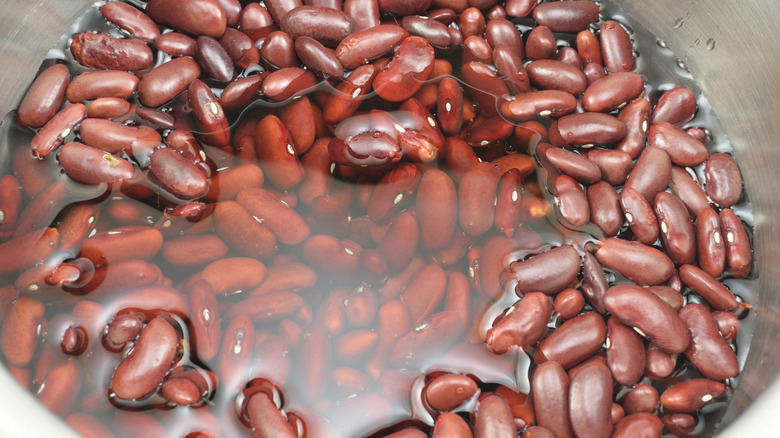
[[676, 227], [509, 202], [44, 97], [550, 386], [710, 245], [683, 149], [449, 424], [209, 116], [502, 31], [488, 89], [723, 180], [574, 341], [567, 17], [472, 22], [510, 66], [435, 32], [493, 418], [556, 75], [287, 82], [166, 81], [636, 116], [111, 137], [614, 164], [640, 425], [690, 395], [640, 216], [317, 58], [178, 175], [236, 226], [326, 25], [651, 173], [739, 257], [519, 8], [572, 201], [19, 335], [541, 43], [588, 47], [131, 20], [549, 272], [612, 92], [364, 12], [589, 129], [605, 209], [449, 391], [675, 106], [625, 353], [642, 398], [89, 165], [199, 17], [688, 190], [709, 352], [278, 51], [616, 49], [404, 7], [428, 339], [241, 92], [214, 60], [477, 193], [658, 363], [367, 45], [57, 129], [105, 83], [175, 44], [547, 103], [286, 224], [412, 64], [104, 52], [713, 292], [590, 401], [522, 325], [594, 282], [636, 307]]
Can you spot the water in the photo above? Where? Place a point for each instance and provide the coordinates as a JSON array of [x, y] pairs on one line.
[[349, 412]]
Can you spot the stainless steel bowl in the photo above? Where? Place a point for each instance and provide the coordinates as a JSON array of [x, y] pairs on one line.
[[729, 48]]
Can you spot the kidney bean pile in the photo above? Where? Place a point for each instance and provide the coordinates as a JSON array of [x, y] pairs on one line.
[[389, 217]]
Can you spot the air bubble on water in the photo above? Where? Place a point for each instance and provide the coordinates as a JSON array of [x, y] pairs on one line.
[[679, 22], [682, 65], [711, 44]]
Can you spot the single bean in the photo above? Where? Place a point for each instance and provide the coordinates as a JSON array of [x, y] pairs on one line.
[[541, 43], [167, 80], [641, 398], [175, 44], [523, 324], [236, 226], [236, 352], [590, 401], [487, 88], [651, 173], [640, 425], [44, 97], [614, 164], [713, 292], [676, 106], [58, 390], [89, 165], [493, 418], [57, 129], [452, 425], [19, 335], [131, 20], [428, 339], [677, 229], [412, 65], [550, 389], [683, 149], [688, 190], [588, 129], [574, 341], [510, 66], [287, 82], [549, 272], [605, 209], [286, 224], [723, 179], [546, 103], [368, 45], [214, 60], [709, 352], [364, 12], [616, 49], [625, 353], [739, 257], [710, 245], [549, 74], [690, 395], [200, 17], [105, 83], [435, 32], [588, 47], [565, 17], [104, 52]]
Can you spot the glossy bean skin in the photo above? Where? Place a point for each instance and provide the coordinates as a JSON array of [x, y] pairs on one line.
[[574, 341], [709, 352], [451, 425], [367, 45], [502, 31], [131, 20], [103, 83], [449, 391], [435, 32], [634, 306], [412, 64], [612, 92], [177, 175], [588, 47], [326, 25], [590, 401], [640, 425], [549, 74], [550, 388], [594, 283], [642, 398], [640, 216], [278, 51], [44, 97], [287, 82], [690, 395], [544, 103], [590, 129], [572, 201], [509, 202], [605, 210], [636, 116], [175, 44], [567, 17], [59, 127], [430, 337], [683, 149], [688, 190], [108, 108], [549, 272], [209, 116], [541, 43], [144, 369], [710, 245], [651, 173], [112, 137], [364, 12], [400, 241], [675, 106], [89, 165], [723, 179], [713, 292], [487, 88], [625, 353], [510, 66], [286, 224], [167, 80], [676, 227], [236, 226], [214, 59], [523, 324], [201, 17], [739, 256], [19, 335], [616, 48], [436, 209], [493, 418], [390, 194], [104, 52], [318, 58], [58, 390], [266, 418], [613, 164], [274, 146]]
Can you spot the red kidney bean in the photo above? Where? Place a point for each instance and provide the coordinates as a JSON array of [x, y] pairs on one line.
[[411, 66], [642, 398], [594, 283], [59, 389], [364, 12], [428, 339], [104, 83], [180, 391], [131, 20], [523, 324], [675, 106], [625, 353], [640, 425], [636, 307], [569, 56], [256, 21], [121, 330], [124, 243], [509, 202], [318, 58], [329, 254], [404, 8], [590, 401], [353, 347], [550, 386], [677, 229], [266, 419], [200, 17], [436, 209], [155, 117], [236, 352], [690, 395], [489, 131], [739, 257], [177, 175], [493, 418], [24, 250], [214, 59], [19, 335], [635, 115], [605, 209], [141, 371], [540, 43], [435, 32], [588, 47], [44, 97], [274, 144], [549, 74], [361, 307], [286, 224], [616, 49], [651, 173], [278, 51], [683, 185], [588, 129], [476, 49], [226, 183], [241, 92], [175, 44], [574, 341], [368, 45], [393, 189], [713, 292], [449, 391], [236, 226], [723, 181], [549, 272], [679, 424], [710, 245], [709, 352], [613, 164], [104, 52], [57, 129], [166, 81], [472, 22], [569, 303], [546, 103], [683, 149], [566, 17], [232, 275], [114, 138], [612, 92], [85, 424], [659, 364], [209, 116], [502, 31], [510, 66], [286, 83], [89, 165], [572, 201], [450, 425], [639, 215], [728, 324], [326, 25], [400, 241], [593, 72], [239, 46], [488, 89]]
